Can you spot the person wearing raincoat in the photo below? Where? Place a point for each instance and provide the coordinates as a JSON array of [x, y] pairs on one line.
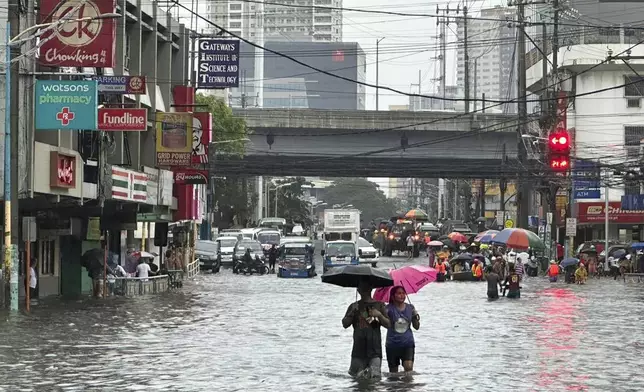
[[553, 271], [581, 274]]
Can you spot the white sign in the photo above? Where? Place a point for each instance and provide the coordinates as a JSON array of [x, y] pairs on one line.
[[549, 218], [571, 227], [29, 230]]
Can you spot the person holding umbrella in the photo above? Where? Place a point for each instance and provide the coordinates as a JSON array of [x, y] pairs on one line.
[[366, 316]]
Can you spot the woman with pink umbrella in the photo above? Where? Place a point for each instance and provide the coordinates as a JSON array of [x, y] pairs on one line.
[[400, 345]]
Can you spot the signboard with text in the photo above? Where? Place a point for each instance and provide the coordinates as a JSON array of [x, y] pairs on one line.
[[190, 176], [122, 119], [66, 104], [586, 179], [174, 139], [81, 42], [218, 63], [594, 212], [62, 170], [121, 84]]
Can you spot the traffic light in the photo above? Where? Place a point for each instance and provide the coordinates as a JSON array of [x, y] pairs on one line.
[[559, 150]]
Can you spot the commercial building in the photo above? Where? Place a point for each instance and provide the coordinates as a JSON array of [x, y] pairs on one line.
[[606, 126], [492, 56], [78, 184], [422, 103]]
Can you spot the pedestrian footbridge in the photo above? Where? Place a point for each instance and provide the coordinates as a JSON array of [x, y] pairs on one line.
[[351, 143]]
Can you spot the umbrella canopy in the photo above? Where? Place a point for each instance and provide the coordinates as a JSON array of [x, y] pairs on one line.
[[412, 278], [568, 262], [144, 255], [458, 237], [416, 214], [618, 254], [486, 236], [478, 256], [462, 257], [518, 239], [435, 243], [525, 257], [352, 275]]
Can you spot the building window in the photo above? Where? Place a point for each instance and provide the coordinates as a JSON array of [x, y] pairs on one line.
[[47, 257], [235, 16], [235, 7], [635, 86], [633, 136], [235, 25]]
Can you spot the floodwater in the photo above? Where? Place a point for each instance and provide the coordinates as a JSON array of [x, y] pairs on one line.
[[261, 333]]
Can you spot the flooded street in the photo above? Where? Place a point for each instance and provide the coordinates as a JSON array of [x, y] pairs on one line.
[[261, 333]]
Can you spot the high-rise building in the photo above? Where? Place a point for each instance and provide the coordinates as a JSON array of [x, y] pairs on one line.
[[246, 20], [303, 21], [422, 103], [492, 57]]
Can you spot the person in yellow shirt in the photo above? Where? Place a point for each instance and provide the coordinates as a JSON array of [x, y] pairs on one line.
[[581, 274]]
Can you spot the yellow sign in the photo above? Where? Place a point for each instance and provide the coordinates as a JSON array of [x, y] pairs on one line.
[[509, 223], [174, 139], [93, 229]]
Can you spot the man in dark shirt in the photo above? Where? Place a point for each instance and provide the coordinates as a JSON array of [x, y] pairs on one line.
[[493, 280], [366, 316], [512, 283]]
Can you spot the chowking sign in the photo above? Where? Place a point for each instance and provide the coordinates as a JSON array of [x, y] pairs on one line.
[[122, 119], [190, 177], [88, 41]]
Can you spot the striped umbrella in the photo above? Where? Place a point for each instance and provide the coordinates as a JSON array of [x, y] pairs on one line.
[[416, 214], [486, 237], [518, 239]]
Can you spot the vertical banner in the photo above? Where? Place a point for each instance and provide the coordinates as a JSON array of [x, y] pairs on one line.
[[174, 139], [201, 136], [89, 42], [218, 63]]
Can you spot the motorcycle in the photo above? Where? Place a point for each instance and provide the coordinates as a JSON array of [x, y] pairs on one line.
[[256, 265]]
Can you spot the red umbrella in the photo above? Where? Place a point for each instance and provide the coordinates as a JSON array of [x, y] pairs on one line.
[[457, 237]]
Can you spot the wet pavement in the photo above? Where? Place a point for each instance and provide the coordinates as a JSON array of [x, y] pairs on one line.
[[261, 333]]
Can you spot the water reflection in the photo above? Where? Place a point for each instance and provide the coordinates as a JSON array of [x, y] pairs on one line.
[[260, 333]]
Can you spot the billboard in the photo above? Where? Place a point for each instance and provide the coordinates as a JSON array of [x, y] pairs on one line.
[[86, 43], [201, 136], [121, 84], [218, 63], [122, 119], [66, 104], [174, 139], [190, 177]]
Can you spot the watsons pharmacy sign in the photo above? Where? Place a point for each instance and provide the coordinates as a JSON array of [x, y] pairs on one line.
[[66, 104]]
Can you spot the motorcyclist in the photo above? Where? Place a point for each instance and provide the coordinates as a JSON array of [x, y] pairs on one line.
[[248, 259]]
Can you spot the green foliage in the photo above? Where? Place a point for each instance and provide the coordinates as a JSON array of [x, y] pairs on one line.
[[234, 203], [363, 195], [225, 125], [290, 203]]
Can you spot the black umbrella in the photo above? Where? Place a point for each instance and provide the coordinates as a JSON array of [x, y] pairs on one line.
[[352, 275], [462, 257]]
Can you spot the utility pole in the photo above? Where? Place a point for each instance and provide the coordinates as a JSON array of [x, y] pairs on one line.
[[442, 23], [466, 59], [523, 191], [377, 73]]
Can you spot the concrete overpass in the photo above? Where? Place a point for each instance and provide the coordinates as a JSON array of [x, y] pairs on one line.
[[371, 143]]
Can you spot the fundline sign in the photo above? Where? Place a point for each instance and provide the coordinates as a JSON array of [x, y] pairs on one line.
[[218, 63]]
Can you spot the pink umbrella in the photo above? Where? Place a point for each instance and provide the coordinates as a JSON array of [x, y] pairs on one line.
[[412, 278]]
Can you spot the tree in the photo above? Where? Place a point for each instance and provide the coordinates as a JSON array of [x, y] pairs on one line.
[[290, 201], [363, 195], [232, 202]]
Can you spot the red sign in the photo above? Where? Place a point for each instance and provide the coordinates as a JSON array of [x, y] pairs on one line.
[[62, 170], [201, 136], [562, 112], [121, 119], [337, 56], [593, 212], [84, 43], [190, 176]]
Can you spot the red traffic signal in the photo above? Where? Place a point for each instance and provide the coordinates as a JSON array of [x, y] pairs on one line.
[[559, 163], [559, 141]]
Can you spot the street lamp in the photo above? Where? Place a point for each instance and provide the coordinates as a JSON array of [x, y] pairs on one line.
[[275, 189], [10, 251], [377, 75]]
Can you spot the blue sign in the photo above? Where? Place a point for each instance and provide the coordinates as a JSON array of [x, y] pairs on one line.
[[633, 202], [121, 84], [218, 63], [66, 104], [586, 180], [587, 193]]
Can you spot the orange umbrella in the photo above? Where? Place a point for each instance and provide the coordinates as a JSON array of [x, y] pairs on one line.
[[457, 237]]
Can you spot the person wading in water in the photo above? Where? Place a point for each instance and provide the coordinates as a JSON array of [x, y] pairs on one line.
[[366, 316]]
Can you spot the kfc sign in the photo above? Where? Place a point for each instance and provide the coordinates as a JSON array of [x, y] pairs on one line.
[[594, 212], [120, 119], [86, 40], [62, 170], [190, 177]]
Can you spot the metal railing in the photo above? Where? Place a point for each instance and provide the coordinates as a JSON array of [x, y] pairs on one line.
[[192, 269], [132, 287]]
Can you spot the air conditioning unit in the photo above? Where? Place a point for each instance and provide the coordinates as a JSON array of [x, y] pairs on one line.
[[633, 103]]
